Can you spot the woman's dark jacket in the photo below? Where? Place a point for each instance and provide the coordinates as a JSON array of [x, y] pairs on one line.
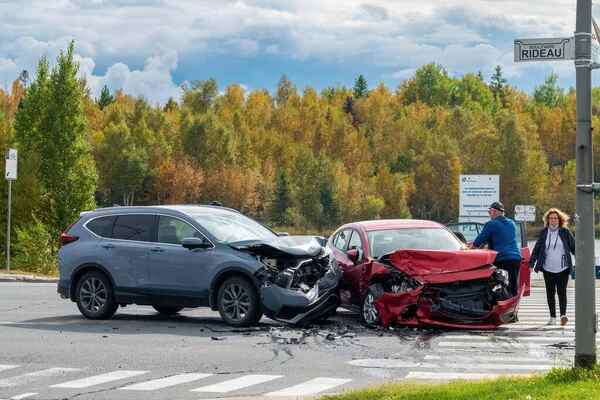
[[539, 251]]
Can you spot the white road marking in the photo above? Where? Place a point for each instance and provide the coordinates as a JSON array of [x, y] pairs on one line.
[[489, 344], [169, 381], [312, 386], [4, 367], [23, 396], [21, 379], [515, 339], [498, 366], [447, 376], [389, 363], [494, 358], [237, 383], [99, 379]]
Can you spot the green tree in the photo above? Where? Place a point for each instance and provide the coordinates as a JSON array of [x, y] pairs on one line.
[[200, 96], [498, 84], [549, 93], [285, 90], [283, 199], [361, 88], [431, 85], [58, 139], [105, 98]]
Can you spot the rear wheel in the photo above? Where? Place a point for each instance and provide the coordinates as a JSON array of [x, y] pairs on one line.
[[369, 313], [238, 302], [167, 310], [95, 297]]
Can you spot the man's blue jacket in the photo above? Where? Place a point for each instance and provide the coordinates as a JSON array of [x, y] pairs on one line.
[[500, 235]]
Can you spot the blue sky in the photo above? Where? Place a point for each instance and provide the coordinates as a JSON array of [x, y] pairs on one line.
[[151, 47]]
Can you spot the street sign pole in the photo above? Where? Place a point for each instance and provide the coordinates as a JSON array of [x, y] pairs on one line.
[[585, 315], [8, 227], [10, 174]]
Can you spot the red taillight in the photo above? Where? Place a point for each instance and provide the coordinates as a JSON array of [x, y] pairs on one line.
[[66, 239]]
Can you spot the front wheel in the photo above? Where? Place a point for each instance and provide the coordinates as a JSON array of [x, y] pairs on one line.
[[238, 302], [167, 310], [95, 297], [369, 313]]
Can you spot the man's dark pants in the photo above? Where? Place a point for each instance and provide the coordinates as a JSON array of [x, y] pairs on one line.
[[512, 267]]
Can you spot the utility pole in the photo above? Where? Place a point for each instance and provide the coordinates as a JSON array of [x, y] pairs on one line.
[[585, 284]]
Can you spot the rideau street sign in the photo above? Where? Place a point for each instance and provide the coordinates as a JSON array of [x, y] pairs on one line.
[[548, 49]]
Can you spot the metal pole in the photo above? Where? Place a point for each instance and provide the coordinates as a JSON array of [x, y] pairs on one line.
[[585, 291], [8, 227]]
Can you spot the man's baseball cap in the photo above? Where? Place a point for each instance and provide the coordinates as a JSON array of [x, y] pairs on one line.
[[497, 206]]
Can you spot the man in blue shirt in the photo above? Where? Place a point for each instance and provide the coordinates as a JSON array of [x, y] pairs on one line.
[[499, 233]]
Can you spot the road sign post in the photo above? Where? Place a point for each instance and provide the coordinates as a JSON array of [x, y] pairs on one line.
[[10, 175], [587, 57]]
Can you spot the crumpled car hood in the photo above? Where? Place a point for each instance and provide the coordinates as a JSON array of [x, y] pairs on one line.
[[435, 262], [284, 246]]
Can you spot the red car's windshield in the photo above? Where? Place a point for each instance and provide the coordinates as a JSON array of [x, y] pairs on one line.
[[389, 240]]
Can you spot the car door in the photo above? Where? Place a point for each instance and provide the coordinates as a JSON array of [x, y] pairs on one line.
[[173, 270], [466, 230], [356, 274], [126, 250]]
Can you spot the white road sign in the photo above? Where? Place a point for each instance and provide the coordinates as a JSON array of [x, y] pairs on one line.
[[11, 164], [554, 49], [477, 192], [525, 213]]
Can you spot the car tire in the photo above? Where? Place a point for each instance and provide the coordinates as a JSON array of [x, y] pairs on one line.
[[167, 310], [238, 302], [368, 312], [95, 297]]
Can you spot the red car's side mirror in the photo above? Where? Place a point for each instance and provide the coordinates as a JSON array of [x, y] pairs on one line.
[[353, 255]]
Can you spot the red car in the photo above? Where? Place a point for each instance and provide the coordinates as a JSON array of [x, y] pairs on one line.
[[418, 273]]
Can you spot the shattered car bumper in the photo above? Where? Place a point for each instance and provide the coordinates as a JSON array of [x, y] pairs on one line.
[[299, 279]]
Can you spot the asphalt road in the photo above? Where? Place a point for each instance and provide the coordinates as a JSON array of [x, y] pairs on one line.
[[48, 351]]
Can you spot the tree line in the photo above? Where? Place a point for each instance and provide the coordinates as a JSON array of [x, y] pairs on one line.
[[306, 160]]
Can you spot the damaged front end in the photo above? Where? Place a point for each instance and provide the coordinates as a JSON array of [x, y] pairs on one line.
[[299, 279], [463, 295]]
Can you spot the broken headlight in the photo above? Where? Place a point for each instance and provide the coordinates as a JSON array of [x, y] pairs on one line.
[[501, 276]]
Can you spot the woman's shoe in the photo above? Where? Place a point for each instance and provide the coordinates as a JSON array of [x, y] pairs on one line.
[[563, 320], [551, 321]]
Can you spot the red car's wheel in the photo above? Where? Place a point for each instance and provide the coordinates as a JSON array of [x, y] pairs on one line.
[[369, 313]]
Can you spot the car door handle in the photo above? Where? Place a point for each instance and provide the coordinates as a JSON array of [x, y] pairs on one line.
[[157, 249], [108, 246]]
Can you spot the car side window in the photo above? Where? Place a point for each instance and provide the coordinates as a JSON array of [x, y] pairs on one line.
[[341, 241], [102, 226], [173, 230], [355, 242], [134, 227]]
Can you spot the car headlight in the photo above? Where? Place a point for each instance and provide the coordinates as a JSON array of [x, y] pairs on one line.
[[501, 275]]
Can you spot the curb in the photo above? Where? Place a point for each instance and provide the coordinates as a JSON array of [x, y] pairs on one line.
[[26, 278]]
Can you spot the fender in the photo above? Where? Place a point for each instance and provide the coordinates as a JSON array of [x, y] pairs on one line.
[[77, 272], [222, 275]]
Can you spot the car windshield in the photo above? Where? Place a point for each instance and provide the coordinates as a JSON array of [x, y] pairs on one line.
[[389, 240], [231, 227]]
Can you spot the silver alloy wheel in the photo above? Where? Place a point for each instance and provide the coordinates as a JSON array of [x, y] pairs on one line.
[[93, 294], [236, 302], [370, 314]]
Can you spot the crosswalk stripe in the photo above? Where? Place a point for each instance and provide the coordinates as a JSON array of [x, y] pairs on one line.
[[389, 363], [23, 396], [24, 378], [498, 366], [237, 383], [312, 386], [4, 367], [491, 357], [490, 344], [166, 382], [99, 379], [509, 339], [452, 375]]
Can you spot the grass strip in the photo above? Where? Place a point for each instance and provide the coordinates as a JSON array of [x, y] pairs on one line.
[[559, 383]]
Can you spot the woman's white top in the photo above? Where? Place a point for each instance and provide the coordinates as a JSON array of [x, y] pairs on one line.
[[554, 253]]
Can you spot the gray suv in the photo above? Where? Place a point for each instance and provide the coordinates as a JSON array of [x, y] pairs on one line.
[[171, 257]]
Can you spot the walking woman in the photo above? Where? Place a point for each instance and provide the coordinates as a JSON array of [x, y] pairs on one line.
[[552, 256]]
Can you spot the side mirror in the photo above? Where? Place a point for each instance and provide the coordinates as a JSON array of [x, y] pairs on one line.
[[195, 243], [283, 234], [353, 255]]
